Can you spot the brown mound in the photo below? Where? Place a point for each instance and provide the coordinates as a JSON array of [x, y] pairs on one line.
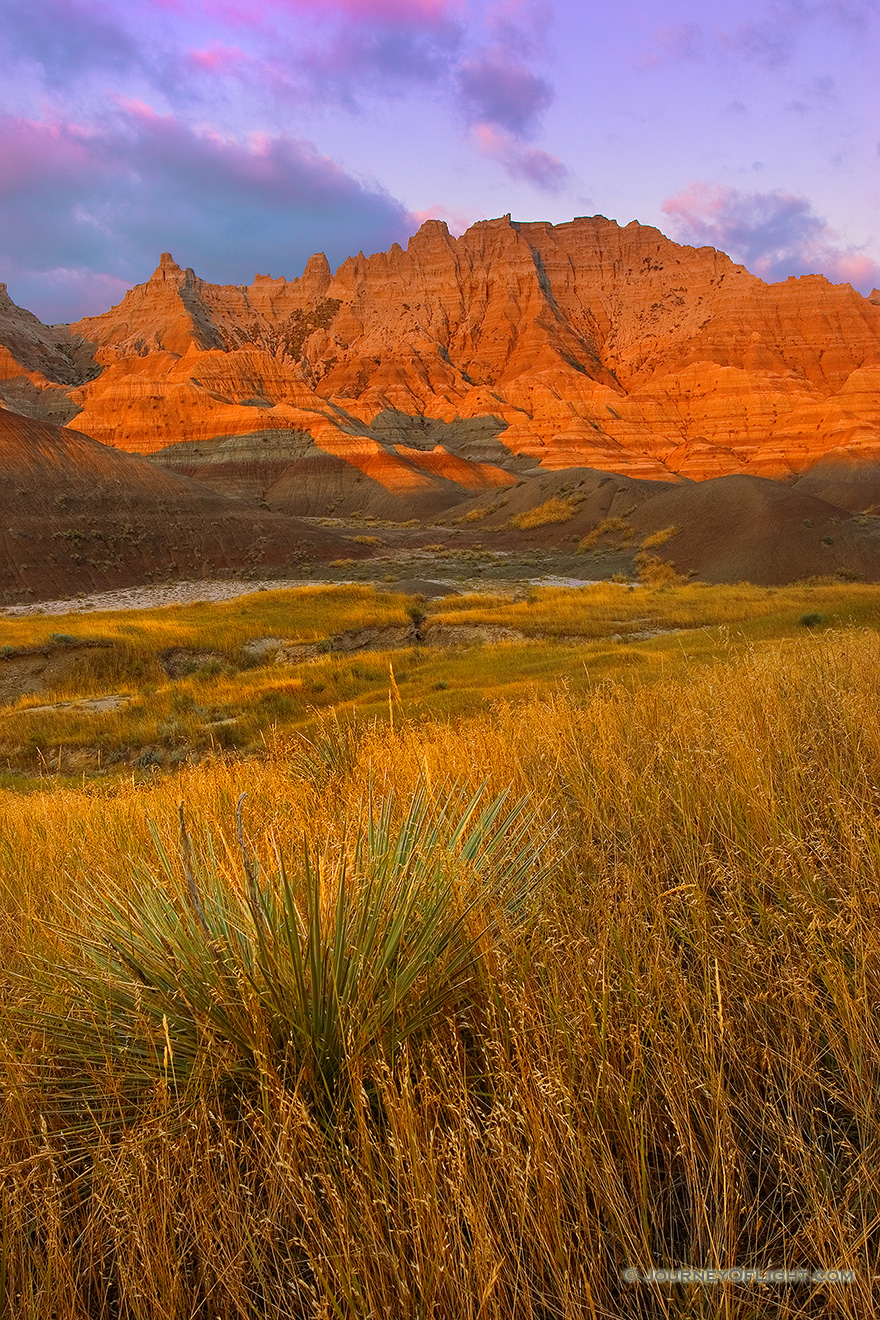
[[839, 480], [78, 516], [30, 669], [727, 529], [751, 529], [588, 494]]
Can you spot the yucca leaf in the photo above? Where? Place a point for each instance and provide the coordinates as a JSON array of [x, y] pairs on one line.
[[304, 975]]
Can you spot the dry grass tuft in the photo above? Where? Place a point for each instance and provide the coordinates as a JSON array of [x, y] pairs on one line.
[[661, 537], [618, 527], [656, 572], [551, 511]]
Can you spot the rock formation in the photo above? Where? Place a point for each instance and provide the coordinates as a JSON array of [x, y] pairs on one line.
[[407, 380]]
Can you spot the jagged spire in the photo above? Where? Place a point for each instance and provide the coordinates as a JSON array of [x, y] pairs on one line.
[[166, 269]]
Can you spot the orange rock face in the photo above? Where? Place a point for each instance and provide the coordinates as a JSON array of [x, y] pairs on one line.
[[425, 374]]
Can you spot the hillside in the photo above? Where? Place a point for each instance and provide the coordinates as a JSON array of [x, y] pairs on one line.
[[76, 515]]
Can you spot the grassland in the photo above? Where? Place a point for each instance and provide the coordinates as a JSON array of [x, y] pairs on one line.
[[665, 1053], [229, 700]]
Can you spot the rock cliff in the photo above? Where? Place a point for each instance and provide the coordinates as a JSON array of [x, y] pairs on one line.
[[406, 380]]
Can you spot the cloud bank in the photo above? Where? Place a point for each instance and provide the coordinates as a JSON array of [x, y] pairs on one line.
[[774, 234], [133, 128], [87, 213]]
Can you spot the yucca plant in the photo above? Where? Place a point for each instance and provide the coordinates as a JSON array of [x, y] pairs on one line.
[[288, 979]]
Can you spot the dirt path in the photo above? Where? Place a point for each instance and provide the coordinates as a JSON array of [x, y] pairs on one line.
[[149, 598], [186, 593]]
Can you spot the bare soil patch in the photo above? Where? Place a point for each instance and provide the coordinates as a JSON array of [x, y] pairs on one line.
[[35, 669]]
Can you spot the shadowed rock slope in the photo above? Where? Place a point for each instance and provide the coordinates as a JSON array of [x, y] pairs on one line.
[[78, 516]]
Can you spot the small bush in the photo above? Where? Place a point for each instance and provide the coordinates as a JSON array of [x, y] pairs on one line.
[[654, 572], [656, 539], [551, 511], [292, 979], [811, 620], [416, 612], [211, 669], [608, 527]]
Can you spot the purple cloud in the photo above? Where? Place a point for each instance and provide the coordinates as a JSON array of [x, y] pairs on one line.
[[768, 41], [774, 234], [83, 207], [506, 95], [67, 35], [384, 58], [539, 168], [502, 98], [673, 44], [409, 13], [296, 50]]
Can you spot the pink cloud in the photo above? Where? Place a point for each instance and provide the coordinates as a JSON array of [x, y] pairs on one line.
[[34, 154], [676, 43], [543, 170], [456, 221], [254, 13], [384, 11], [75, 292], [768, 40], [774, 234], [218, 59]]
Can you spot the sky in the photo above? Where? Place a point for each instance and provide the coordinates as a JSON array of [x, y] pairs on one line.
[[243, 135]]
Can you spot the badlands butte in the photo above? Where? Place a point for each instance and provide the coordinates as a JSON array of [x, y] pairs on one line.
[[547, 396]]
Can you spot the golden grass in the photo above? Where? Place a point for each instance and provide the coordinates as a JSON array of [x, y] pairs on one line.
[[618, 527], [304, 613], [610, 607], [661, 537], [608, 631], [674, 1063], [554, 510]]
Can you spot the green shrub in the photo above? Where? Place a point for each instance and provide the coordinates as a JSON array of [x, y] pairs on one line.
[[289, 979]]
